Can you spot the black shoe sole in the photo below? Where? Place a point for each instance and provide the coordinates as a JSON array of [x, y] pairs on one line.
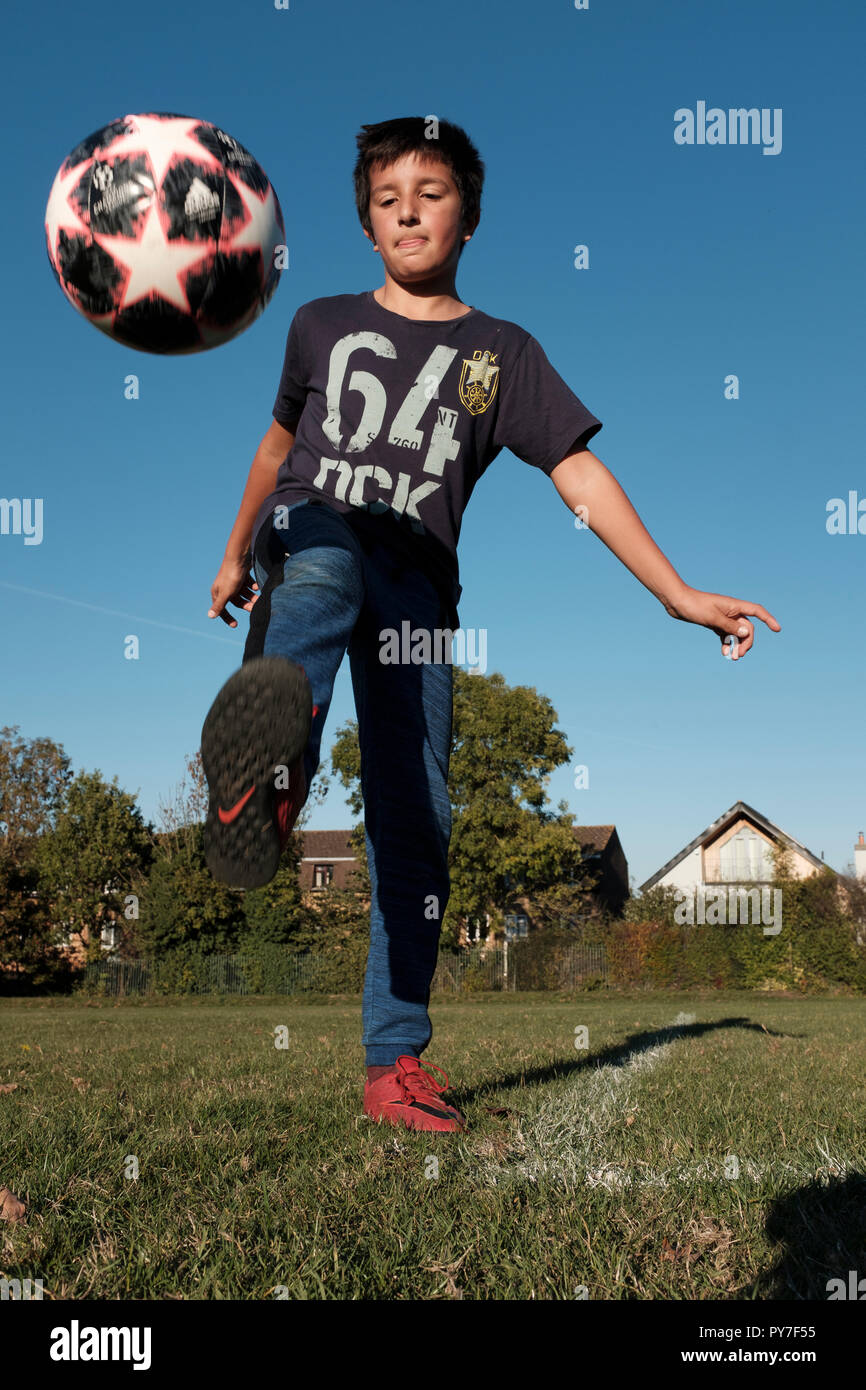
[[259, 721]]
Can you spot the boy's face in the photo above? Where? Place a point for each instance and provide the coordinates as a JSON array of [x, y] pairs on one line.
[[415, 216]]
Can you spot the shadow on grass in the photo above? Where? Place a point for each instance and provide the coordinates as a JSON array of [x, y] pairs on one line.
[[821, 1234], [614, 1055]]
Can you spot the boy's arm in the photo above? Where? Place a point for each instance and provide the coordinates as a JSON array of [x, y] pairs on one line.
[[591, 490], [261, 481]]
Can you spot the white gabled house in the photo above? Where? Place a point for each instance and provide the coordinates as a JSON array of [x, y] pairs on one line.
[[737, 848]]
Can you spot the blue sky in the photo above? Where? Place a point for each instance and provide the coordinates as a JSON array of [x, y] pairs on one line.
[[705, 261]]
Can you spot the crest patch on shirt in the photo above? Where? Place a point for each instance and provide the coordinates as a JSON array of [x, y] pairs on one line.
[[478, 381]]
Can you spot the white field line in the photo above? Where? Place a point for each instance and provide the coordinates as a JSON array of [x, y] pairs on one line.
[[566, 1139], [566, 1136]]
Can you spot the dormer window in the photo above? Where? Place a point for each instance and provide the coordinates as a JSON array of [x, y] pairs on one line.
[[745, 857]]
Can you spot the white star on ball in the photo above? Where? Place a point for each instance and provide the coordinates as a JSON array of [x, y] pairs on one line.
[[162, 141], [262, 231], [59, 213], [155, 263]]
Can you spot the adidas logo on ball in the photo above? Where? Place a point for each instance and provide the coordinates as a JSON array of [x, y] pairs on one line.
[[201, 202], [115, 196]]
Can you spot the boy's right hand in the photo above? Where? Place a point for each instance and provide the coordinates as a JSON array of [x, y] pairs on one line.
[[234, 584]]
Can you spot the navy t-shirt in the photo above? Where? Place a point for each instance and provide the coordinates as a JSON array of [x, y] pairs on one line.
[[395, 419]]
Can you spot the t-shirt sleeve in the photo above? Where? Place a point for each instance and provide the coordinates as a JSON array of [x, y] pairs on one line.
[[292, 393], [540, 419]]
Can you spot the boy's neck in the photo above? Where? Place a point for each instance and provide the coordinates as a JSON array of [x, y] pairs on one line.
[[430, 300]]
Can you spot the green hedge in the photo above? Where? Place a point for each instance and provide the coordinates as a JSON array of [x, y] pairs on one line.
[[816, 949]]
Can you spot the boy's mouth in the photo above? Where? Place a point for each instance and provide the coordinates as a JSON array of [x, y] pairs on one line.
[[412, 241]]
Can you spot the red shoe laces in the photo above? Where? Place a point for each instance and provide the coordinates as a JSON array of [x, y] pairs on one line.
[[421, 1080]]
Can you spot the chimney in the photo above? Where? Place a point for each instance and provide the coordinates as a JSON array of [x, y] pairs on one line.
[[860, 858]]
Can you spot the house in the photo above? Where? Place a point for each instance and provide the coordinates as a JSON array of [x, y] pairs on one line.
[[601, 850], [602, 853], [74, 943], [328, 858], [736, 848]]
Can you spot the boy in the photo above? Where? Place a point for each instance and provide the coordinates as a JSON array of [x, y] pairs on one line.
[[391, 405]]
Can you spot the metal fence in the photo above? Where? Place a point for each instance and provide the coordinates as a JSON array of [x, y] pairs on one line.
[[477, 967], [118, 977], [503, 966]]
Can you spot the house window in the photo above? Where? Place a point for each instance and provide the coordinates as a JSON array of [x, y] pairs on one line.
[[108, 937], [323, 874], [516, 925], [745, 857]]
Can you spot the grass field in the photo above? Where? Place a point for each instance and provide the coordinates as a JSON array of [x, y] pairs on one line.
[[720, 1158]]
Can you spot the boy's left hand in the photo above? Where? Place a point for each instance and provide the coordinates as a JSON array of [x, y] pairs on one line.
[[726, 617]]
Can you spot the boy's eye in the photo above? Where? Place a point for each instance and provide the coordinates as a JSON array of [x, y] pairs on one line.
[[436, 196]]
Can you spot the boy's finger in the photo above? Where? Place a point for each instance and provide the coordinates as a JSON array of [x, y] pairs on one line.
[[757, 610], [746, 642]]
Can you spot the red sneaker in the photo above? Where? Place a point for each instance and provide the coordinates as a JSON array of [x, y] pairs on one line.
[[290, 800], [258, 724], [410, 1097]]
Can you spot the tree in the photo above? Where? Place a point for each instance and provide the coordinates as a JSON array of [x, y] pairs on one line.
[[854, 891], [183, 905], [93, 859], [185, 809], [568, 903], [33, 776], [29, 949]]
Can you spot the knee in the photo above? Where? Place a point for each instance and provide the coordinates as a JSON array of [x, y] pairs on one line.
[[325, 564]]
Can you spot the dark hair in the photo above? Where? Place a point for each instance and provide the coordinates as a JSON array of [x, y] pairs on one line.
[[387, 141]]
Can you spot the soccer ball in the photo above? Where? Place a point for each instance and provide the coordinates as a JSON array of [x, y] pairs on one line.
[[165, 233]]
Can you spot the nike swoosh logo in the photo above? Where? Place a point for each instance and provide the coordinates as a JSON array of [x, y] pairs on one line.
[[228, 816]]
